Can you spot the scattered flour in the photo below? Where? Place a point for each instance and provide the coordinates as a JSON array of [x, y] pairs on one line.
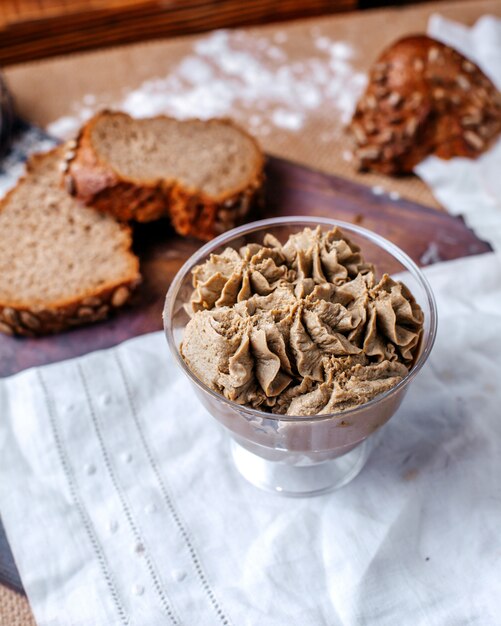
[[280, 37], [291, 120], [430, 255], [252, 78], [12, 165], [65, 126], [89, 100], [377, 190]]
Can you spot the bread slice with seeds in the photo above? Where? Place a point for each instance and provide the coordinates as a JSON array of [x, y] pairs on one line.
[[204, 175], [62, 264], [423, 98]]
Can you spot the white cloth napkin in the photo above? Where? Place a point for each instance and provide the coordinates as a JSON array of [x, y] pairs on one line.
[[122, 507], [471, 188]]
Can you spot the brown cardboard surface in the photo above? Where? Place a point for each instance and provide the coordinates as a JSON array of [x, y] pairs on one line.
[[46, 90]]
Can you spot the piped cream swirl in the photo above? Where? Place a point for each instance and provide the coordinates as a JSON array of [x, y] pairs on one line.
[[301, 328]]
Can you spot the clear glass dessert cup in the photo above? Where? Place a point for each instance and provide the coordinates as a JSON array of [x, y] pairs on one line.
[[298, 455]]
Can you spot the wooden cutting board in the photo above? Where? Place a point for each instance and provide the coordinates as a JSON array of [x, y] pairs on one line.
[[425, 234]]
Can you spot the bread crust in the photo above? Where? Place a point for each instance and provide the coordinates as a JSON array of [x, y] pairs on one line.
[[191, 212], [33, 321], [20, 318], [423, 98]]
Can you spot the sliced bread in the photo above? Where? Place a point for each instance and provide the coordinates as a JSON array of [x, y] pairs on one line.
[[204, 175], [61, 263]]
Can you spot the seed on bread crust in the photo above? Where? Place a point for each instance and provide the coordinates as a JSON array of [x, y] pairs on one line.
[[85, 311], [370, 126], [394, 99], [11, 316], [463, 82], [418, 65], [5, 328], [473, 119], [29, 320], [92, 301], [385, 136], [474, 140], [415, 100], [368, 153], [468, 66], [359, 133], [411, 126], [120, 296], [433, 54], [370, 101]]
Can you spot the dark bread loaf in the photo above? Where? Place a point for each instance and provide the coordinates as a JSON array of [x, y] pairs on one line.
[[62, 264], [204, 175], [423, 98]]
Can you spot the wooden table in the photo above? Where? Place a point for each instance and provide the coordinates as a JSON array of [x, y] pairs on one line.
[[33, 29], [46, 90]]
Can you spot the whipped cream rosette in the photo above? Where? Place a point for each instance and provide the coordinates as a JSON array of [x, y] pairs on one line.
[[301, 328]]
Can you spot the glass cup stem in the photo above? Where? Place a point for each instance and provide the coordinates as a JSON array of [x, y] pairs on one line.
[[301, 480]]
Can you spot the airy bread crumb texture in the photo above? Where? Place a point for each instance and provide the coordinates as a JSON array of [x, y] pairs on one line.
[[212, 157]]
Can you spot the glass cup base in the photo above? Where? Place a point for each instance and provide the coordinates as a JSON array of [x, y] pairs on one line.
[[301, 480]]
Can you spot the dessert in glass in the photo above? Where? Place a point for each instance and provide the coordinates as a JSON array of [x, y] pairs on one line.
[[300, 337]]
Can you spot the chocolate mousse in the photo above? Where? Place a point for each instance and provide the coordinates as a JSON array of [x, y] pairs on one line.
[[303, 328]]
